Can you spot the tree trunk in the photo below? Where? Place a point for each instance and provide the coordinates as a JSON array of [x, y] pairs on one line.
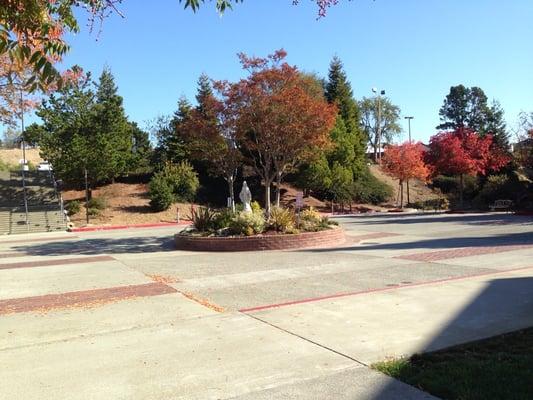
[[408, 199], [267, 198], [461, 183], [401, 194], [231, 193], [278, 189]]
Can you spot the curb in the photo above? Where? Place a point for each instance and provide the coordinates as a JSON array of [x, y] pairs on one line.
[[134, 226]]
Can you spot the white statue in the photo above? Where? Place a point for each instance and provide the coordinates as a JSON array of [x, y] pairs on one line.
[[246, 197]]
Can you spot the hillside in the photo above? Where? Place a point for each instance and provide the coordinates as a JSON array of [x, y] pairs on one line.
[[13, 156], [418, 190]]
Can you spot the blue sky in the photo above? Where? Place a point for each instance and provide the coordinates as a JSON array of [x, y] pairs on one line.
[[414, 49]]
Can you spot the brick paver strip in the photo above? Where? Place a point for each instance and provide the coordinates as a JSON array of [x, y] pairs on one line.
[[381, 289], [58, 261], [86, 298], [50, 239], [462, 252]]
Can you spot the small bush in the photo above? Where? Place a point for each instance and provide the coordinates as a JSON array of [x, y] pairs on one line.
[[94, 212], [223, 219], [247, 223], [160, 192], [73, 207], [310, 220], [173, 183], [255, 206], [183, 180], [97, 203], [441, 203], [281, 220], [368, 189], [203, 219]]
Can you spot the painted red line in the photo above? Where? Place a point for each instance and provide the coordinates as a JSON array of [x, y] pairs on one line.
[[114, 227], [59, 261], [86, 298], [383, 289], [462, 252], [50, 239]]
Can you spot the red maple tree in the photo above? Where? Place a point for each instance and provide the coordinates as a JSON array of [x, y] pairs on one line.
[[405, 162], [464, 152], [278, 120]]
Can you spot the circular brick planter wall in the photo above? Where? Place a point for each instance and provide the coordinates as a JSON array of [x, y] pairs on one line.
[[328, 238]]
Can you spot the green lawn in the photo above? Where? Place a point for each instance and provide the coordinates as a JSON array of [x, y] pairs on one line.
[[499, 368]]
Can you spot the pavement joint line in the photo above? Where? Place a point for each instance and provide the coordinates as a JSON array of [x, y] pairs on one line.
[[56, 262], [308, 340], [382, 289]]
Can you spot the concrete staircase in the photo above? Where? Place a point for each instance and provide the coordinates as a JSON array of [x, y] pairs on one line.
[[44, 209]]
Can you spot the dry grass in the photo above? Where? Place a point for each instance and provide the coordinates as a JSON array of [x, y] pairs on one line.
[[13, 156]]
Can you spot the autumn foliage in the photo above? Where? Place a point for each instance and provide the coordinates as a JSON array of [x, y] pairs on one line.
[[405, 162], [464, 152], [277, 121]]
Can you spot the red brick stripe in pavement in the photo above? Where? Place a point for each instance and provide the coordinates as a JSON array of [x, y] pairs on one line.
[[382, 289], [86, 298], [58, 261], [462, 252]]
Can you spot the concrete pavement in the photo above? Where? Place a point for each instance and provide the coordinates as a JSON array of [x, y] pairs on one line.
[[276, 325]]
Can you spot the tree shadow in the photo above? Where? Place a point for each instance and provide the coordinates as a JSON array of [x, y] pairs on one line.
[[503, 306], [478, 219], [95, 246], [514, 239]]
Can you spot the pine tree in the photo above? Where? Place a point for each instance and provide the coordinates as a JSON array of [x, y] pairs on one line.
[[348, 137], [113, 131]]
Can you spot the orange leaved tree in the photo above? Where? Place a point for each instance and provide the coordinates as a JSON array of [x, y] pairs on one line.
[[278, 121], [405, 162]]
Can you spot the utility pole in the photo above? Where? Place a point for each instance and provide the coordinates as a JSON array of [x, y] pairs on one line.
[[379, 94], [23, 159], [409, 122]]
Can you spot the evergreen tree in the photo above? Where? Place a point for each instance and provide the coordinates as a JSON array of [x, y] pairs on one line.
[[350, 136], [141, 149], [170, 135], [113, 131], [468, 108]]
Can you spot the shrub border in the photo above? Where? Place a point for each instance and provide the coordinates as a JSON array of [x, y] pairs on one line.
[[322, 239]]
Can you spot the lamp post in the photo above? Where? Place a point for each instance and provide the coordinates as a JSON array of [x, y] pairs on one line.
[[379, 94], [409, 122]]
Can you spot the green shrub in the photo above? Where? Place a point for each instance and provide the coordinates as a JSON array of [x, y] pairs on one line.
[[368, 189], [223, 219], [247, 223], [94, 212], [203, 219], [183, 180], [310, 220], [281, 220], [441, 203], [256, 207], [97, 203], [160, 192], [73, 207], [173, 183]]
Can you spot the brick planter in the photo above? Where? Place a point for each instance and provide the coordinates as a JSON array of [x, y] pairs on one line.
[[323, 239]]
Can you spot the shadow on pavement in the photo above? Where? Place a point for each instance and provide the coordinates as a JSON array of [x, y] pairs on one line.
[[91, 246], [515, 239], [503, 306], [478, 219]]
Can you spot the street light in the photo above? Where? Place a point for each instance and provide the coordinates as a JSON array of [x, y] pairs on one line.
[[409, 120], [381, 93]]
